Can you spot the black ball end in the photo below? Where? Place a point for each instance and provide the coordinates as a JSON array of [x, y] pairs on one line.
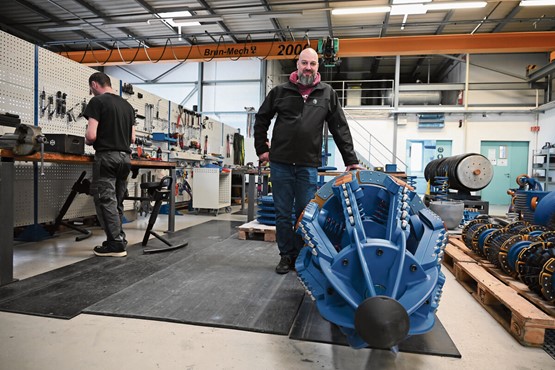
[[382, 322]]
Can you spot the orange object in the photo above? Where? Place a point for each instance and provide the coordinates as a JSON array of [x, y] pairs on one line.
[[483, 43]]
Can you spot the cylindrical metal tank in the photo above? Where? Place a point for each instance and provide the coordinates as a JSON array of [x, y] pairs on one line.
[[418, 97], [467, 172]]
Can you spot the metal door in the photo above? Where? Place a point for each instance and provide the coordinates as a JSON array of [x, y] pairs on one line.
[[509, 160]]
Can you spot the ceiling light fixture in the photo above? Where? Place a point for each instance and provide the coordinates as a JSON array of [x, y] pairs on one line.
[[365, 10], [408, 9], [269, 15], [402, 7], [537, 3], [60, 28], [200, 18], [397, 2], [122, 24], [456, 5]]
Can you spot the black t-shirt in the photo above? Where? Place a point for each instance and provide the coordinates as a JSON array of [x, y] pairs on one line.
[[115, 118]]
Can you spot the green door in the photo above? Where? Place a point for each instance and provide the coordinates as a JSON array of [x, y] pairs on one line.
[[509, 160]]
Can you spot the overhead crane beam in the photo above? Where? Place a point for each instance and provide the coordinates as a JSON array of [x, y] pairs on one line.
[[509, 42]]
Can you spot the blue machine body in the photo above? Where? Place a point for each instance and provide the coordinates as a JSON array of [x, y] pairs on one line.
[[545, 211], [370, 243]]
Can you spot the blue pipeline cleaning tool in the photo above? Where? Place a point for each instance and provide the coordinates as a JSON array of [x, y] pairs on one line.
[[372, 258]]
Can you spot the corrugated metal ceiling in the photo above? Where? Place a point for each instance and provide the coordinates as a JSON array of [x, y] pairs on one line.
[[42, 22]]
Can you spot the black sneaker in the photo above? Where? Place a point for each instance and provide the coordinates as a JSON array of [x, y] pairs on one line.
[[107, 251], [285, 265]]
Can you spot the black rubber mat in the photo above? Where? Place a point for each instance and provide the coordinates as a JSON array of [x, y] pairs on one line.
[[65, 292], [230, 284], [310, 326], [549, 342]]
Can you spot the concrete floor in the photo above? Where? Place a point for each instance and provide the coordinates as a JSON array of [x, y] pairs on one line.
[[102, 342]]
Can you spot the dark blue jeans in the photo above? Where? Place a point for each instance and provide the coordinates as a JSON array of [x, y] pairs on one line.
[[108, 187], [291, 186]]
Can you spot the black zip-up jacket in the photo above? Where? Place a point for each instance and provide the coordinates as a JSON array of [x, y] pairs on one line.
[[298, 130]]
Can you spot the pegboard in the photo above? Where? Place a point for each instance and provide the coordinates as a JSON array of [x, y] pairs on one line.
[[23, 194], [59, 74], [54, 188], [56, 73], [228, 152], [17, 76], [158, 107], [217, 138]]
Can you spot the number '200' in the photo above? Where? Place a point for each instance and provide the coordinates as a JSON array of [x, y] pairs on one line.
[[291, 49]]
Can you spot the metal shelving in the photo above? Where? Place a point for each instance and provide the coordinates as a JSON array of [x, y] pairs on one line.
[[543, 168]]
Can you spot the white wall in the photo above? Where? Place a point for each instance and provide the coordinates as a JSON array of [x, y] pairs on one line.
[[465, 139], [546, 121], [499, 68]]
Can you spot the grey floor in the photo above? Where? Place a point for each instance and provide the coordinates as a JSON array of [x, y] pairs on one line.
[[102, 342]]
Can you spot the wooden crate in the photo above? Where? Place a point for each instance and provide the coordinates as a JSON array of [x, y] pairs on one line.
[[256, 230], [526, 322]]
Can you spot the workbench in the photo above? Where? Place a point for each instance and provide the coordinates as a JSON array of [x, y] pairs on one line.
[[7, 176]]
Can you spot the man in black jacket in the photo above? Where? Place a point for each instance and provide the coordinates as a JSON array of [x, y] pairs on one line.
[[302, 106]]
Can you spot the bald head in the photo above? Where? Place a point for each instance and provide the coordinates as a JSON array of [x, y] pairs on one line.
[[307, 66], [308, 53]]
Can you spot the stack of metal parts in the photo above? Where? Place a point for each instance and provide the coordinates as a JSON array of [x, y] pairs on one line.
[[372, 258], [522, 250], [266, 213]]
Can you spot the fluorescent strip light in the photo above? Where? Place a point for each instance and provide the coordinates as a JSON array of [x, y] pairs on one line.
[[408, 9], [365, 10], [185, 24], [269, 15], [456, 5], [537, 3], [174, 14], [123, 24], [397, 2], [201, 18], [60, 28]]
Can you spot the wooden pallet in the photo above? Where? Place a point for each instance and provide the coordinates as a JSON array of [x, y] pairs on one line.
[[516, 313], [457, 247], [453, 255], [256, 230]]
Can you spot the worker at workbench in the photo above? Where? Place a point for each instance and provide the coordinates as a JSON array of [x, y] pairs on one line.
[[110, 131]]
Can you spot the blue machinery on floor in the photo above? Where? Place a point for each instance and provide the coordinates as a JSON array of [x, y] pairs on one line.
[[372, 257]]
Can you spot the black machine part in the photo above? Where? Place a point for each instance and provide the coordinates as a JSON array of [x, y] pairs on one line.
[[382, 322], [466, 172]]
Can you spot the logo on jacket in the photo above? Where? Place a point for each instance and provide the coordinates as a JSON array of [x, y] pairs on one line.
[[314, 101]]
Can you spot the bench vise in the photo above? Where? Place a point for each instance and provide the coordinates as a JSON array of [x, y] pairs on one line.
[[26, 139]]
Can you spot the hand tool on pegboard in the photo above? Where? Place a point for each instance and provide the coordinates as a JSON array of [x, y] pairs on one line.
[[42, 101], [50, 105]]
